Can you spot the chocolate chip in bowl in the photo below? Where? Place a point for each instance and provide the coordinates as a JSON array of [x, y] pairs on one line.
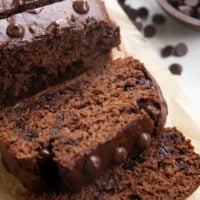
[[186, 11]]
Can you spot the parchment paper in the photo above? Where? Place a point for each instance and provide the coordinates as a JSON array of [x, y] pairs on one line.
[[181, 113]]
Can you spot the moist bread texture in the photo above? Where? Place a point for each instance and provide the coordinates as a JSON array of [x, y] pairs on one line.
[[46, 45], [168, 170], [77, 130]]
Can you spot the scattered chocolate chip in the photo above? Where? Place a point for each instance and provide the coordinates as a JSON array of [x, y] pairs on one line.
[[167, 51], [187, 10], [149, 31], [176, 69], [120, 155], [15, 30], [198, 12], [192, 3], [181, 50], [144, 141], [81, 6], [44, 153], [138, 25], [142, 12], [93, 164], [159, 19], [131, 12], [122, 2]]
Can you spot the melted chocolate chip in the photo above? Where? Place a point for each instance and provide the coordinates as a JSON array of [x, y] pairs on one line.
[[144, 141], [120, 154], [44, 153], [93, 164], [81, 6], [57, 26], [15, 30]]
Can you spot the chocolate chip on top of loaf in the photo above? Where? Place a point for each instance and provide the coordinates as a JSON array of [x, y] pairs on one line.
[[51, 42], [81, 128]]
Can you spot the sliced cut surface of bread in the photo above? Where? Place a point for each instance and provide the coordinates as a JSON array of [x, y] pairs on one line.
[[81, 128], [55, 42], [168, 170]]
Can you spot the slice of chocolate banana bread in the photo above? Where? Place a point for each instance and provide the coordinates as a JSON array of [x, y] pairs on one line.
[[168, 170], [81, 128], [42, 47]]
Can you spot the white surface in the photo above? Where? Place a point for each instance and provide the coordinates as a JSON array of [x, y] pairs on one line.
[[174, 32]]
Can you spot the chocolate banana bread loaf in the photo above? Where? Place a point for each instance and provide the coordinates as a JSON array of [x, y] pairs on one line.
[[44, 46], [168, 170], [11, 7], [75, 131]]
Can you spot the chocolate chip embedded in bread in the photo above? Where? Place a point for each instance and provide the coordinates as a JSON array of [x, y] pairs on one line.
[[176, 69], [120, 154], [144, 141], [180, 50], [44, 153], [149, 31], [15, 30], [93, 164], [81, 6]]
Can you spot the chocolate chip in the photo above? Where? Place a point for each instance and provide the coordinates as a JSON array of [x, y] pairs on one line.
[[31, 30], [44, 153], [149, 31], [131, 12], [192, 3], [187, 10], [138, 25], [93, 164], [158, 19], [57, 27], [181, 49], [144, 141], [120, 155], [198, 12], [167, 51], [142, 12], [122, 2], [15, 30], [176, 69], [81, 6]]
